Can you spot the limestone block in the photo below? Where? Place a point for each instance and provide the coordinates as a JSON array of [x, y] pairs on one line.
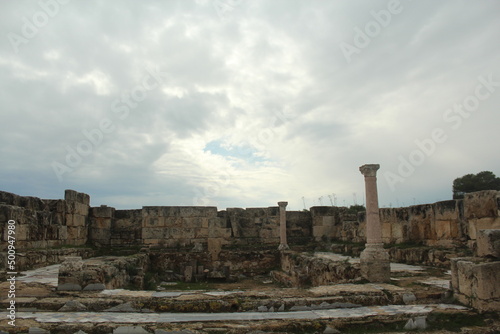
[[102, 211], [487, 280], [443, 229], [201, 232], [397, 232], [155, 233], [69, 276], [318, 232], [224, 233], [205, 222], [215, 223], [63, 232], [188, 274], [101, 223], [100, 235], [75, 233], [269, 234], [79, 220], [151, 222], [155, 242], [173, 222], [446, 210], [387, 232], [77, 208], [455, 229], [482, 224], [22, 232], [191, 222], [198, 211], [481, 204], [151, 211], [488, 243], [214, 248]]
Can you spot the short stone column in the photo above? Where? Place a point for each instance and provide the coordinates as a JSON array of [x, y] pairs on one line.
[[283, 242], [374, 260]]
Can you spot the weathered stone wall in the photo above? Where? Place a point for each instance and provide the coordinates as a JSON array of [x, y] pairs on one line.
[[302, 269], [445, 224], [107, 272], [45, 223], [474, 280], [185, 265], [51, 223]]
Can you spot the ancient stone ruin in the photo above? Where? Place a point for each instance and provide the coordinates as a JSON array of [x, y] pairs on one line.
[[250, 263]]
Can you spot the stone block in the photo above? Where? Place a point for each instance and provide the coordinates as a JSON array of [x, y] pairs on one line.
[[446, 210], [443, 229], [195, 222], [216, 223], [387, 232], [102, 211], [481, 204], [201, 232], [487, 280], [101, 223], [75, 233], [188, 274], [488, 243], [151, 211], [155, 233], [155, 242], [219, 233], [198, 211], [79, 220], [397, 232], [151, 222], [488, 223], [214, 248], [318, 232], [100, 235]]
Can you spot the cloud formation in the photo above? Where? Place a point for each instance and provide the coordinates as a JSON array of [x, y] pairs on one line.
[[247, 103]]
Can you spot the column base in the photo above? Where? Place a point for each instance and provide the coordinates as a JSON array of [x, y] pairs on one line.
[[283, 247], [375, 264]]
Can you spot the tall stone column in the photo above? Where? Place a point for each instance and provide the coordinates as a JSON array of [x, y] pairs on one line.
[[375, 264], [283, 242]]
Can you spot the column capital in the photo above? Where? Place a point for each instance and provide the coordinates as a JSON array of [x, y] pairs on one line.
[[282, 204], [369, 170]]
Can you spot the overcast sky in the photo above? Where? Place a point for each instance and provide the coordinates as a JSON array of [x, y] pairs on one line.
[[244, 103]]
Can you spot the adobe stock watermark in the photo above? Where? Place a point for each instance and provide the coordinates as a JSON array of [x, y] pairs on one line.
[[454, 117], [93, 138], [225, 8], [261, 141], [31, 27], [371, 30]]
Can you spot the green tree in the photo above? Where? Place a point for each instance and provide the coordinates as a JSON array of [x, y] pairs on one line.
[[475, 182]]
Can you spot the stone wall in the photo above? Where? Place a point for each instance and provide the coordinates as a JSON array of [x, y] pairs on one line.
[[51, 223], [445, 224], [302, 270], [474, 280], [45, 223]]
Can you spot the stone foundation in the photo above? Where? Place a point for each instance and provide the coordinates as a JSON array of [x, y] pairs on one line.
[[301, 270], [102, 273], [475, 280], [375, 263]]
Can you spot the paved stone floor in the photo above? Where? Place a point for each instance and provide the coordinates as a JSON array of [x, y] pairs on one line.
[[44, 275], [112, 317]]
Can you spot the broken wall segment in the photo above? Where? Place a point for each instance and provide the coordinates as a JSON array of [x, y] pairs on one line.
[[102, 273]]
